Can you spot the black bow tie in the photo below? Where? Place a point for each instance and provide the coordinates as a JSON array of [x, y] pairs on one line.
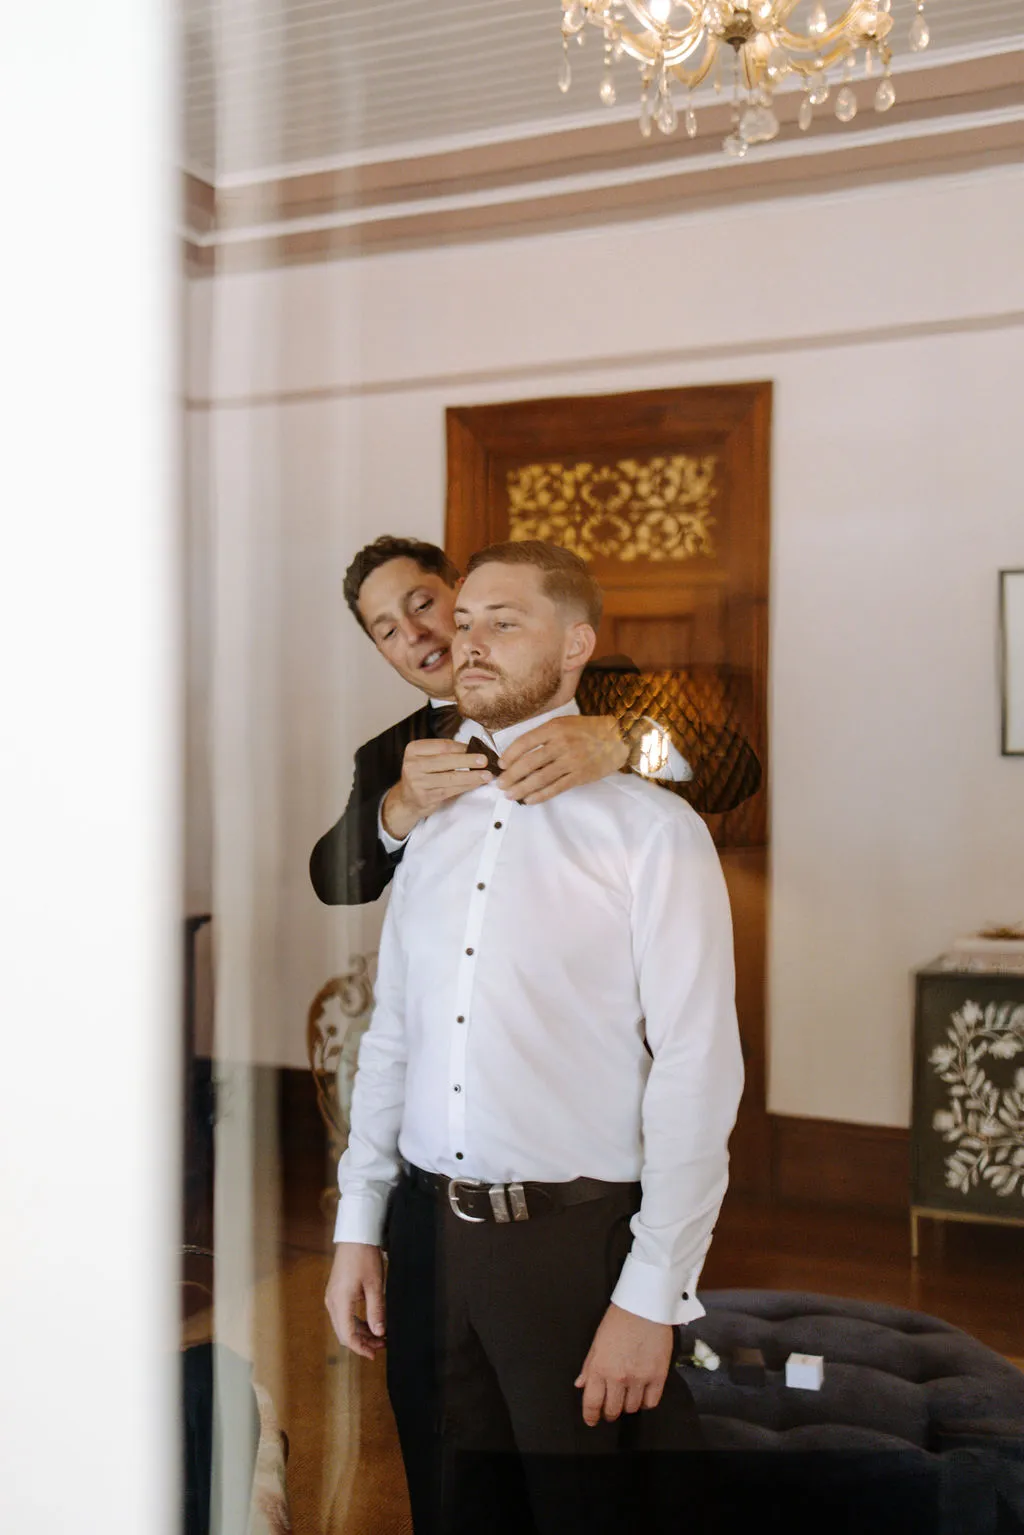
[[479, 748], [444, 722]]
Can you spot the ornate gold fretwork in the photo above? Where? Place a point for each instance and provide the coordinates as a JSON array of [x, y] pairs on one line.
[[658, 509]]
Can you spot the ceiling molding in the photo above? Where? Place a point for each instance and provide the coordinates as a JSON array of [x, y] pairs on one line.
[[950, 117]]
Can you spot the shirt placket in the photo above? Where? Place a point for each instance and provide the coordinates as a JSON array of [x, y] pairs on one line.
[[466, 973]]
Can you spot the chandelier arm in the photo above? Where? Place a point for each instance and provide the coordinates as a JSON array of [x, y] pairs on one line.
[[641, 14], [842, 30], [820, 60], [639, 49], [644, 50], [692, 78], [680, 52], [655, 42]]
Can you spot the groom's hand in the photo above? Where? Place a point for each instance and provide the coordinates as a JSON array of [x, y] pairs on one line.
[[355, 1298], [626, 1368], [564, 752]]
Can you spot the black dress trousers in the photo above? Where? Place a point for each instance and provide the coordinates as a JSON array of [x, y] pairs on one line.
[[488, 1328]]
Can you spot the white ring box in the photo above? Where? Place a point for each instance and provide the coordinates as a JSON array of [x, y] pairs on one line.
[[805, 1372]]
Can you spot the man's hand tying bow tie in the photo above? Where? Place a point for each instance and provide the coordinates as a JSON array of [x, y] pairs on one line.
[[433, 772], [564, 752]]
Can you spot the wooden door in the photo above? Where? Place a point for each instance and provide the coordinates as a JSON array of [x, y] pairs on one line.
[[666, 495]]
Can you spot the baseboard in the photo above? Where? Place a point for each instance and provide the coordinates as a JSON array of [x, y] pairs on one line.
[[843, 1166]]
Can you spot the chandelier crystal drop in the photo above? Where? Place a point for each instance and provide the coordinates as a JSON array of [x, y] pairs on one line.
[[764, 42], [846, 104]]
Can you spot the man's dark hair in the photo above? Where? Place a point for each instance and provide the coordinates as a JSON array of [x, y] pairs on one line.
[[428, 557], [566, 578]]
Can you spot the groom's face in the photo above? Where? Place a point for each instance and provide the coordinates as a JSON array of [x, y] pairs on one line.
[[513, 646], [408, 614]]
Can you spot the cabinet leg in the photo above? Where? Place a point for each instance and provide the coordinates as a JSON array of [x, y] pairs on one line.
[[915, 1235]]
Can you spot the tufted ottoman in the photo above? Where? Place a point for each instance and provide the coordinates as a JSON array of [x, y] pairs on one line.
[[919, 1428]]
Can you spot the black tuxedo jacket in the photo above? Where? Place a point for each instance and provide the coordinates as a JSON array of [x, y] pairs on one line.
[[350, 866]]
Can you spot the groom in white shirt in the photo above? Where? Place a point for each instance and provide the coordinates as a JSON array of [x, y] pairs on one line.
[[542, 1110]]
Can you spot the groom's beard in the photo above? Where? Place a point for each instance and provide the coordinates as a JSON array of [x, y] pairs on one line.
[[511, 702]]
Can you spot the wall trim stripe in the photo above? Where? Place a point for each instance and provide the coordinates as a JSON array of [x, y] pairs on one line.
[[523, 372]]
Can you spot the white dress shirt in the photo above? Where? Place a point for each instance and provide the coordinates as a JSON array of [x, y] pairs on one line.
[[527, 954]]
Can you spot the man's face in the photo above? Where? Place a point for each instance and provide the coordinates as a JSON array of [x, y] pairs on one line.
[[408, 615], [516, 652]]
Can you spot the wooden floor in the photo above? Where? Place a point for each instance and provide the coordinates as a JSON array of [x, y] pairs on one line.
[[970, 1276]]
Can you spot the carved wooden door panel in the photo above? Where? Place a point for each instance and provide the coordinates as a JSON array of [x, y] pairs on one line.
[[666, 495]]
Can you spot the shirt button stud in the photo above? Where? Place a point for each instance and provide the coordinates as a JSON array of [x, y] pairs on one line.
[[497, 826], [686, 1295], [458, 1156], [458, 1089], [461, 1018], [469, 951], [481, 886]]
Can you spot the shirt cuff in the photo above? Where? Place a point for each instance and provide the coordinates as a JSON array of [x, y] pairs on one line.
[[389, 843], [360, 1219], [657, 1294]]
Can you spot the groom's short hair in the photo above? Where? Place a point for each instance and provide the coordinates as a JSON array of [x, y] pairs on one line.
[[566, 579]]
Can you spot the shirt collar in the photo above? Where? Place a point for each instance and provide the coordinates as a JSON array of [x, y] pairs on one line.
[[503, 739], [441, 703]]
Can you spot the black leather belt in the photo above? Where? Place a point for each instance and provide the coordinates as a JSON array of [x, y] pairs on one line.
[[477, 1202]]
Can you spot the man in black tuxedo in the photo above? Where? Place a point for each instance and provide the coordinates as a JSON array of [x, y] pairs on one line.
[[402, 593]]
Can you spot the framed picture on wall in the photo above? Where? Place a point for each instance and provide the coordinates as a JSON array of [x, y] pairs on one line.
[[1011, 628]]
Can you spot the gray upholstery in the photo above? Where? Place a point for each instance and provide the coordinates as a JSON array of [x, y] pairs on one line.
[[909, 1403]]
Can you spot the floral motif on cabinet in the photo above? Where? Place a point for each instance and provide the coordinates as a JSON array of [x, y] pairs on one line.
[[983, 1120]]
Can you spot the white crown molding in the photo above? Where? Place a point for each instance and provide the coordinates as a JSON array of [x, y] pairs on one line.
[[879, 134], [538, 128]]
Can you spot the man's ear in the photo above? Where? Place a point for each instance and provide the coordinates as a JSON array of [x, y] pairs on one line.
[[580, 642]]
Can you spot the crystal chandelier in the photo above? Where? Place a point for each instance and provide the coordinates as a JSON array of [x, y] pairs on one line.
[[751, 48]]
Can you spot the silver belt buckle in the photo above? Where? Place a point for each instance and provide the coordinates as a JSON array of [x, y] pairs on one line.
[[454, 1185], [508, 1203], [517, 1199]]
